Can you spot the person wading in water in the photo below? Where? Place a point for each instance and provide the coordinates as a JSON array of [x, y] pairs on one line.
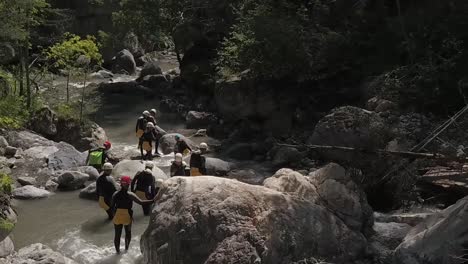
[[122, 202], [105, 188], [143, 185]]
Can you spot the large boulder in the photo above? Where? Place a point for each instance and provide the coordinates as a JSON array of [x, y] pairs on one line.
[[248, 176], [350, 126], [89, 192], [294, 183], [441, 239], [131, 167], [218, 220], [198, 120], [217, 167], [24, 181], [26, 139], [92, 172], [38, 253], [286, 156], [40, 152], [81, 137], [6, 247], [158, 83], [29, 192], [44, 122], [124, 62], [72, 180], [150, 68], [66, 158], [167, 143]]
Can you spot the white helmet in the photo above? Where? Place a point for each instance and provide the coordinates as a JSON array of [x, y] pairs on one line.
[[153, 111], [146, 113], [178, 157], [149, 165], [150, 125], [159, 183], [107, 166], [203, 145]]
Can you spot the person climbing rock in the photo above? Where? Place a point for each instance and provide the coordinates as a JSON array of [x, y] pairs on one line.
[[98, 156], [141, 124], [146, 142], [198, 161], [143, 185], [122, 202], [105, 188], [179, 167], [181, 146]]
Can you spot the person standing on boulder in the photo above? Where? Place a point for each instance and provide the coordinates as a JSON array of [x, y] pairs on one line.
[[141, 124], [146, 142], [152, 116], [143, 185], [198, 161], [98, 156], [122, 202], [181, 146], [152, 119], [179, 167], [105, 188]]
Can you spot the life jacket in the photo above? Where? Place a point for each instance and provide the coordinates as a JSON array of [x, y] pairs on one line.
[[144, 180], [96, 157], [105, 187], [197, 160]]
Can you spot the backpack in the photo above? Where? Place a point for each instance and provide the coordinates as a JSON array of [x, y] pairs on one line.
[[95, 157]]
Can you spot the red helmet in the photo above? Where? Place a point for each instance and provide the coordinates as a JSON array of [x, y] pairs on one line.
[[125, 180], [107, 145]]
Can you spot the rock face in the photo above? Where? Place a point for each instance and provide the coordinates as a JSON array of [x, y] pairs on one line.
[[6, 248], [124, 62], [167, 143], [198, 120], [38, 253], [217, 167], [44, 122], [72, 180], [29, 192], [218, 220], [131, 167], [440, 239], [66, 158]]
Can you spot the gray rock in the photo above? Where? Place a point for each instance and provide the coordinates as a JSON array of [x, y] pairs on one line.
[[6, 247], [230, 221], [38, 254], [40, 152], [411, 219], [51, 186], [72, 180], [3, 142], [217, 167], [287, 155], [89, 192], [9, 220], [157, 82], [66, 158], [26, 181], [198, 120], [131, 167], [10, 151], [124, 62], [91, 171], [44, 122], [441, 239], [102, 74], [29, 192], [26, 139], [167, 143], [150, 68], [247, 176], [391, 234], [293, 183]]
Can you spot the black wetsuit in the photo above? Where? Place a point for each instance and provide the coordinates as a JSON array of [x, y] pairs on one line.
[[144, 182], [178, 170], [197, 160], [122, 200], [180, 146], [105, 187], [148, 136], [141, 123]]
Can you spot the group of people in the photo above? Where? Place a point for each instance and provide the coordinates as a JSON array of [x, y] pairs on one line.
[[148, 135], [143, 188]]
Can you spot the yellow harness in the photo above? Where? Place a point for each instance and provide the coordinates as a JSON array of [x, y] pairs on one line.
[[102, 203], [122, 217], [141, 195], [147, 146], [195, 172], [139, 133]]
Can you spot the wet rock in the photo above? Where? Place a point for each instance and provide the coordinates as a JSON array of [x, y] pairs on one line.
[[131, 167], [124, 63], [338, 192], [411, 219], [448, 181], [6, 247], [157, 82], [102, 74], [391, 234], [440, 239], [51, 186], [44, 122], [66, 158], [247, 176], [29, 192], [167, 143], [72, 180], [38, 253], [150, 68], [287, 155], [89, 192], [230, 221], [91, 171], [197, 120], [217, 167], [27, 181]]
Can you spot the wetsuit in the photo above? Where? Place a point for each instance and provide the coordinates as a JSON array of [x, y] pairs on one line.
[[122, 202], [197, 164], [178, 169], [146, 143], [105, 188], [140, 126], [97, 163], [182, 147], [143, 186]]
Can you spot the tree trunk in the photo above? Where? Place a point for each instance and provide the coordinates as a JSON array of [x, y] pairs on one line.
[[83, 96], [68, 88], [21, 73], [28, 81]]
